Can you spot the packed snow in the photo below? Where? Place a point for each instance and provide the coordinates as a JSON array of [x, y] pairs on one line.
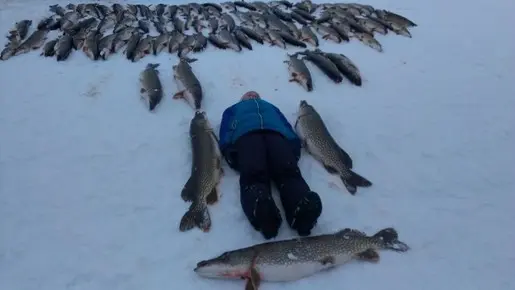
[[90, 180]]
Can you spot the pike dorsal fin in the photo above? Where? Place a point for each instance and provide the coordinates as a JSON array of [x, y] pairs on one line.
[[351, 233]]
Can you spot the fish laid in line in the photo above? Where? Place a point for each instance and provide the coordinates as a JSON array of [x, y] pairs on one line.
[[188, 85], [299, 72], [324, 64], [151, 89], [294, 259], [317, 140], [206, 171]]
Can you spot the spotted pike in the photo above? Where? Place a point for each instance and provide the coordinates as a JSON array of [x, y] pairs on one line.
[[206, 172], [294, 259], [317, 140], [299, 72], [188, 85], [151, 89]]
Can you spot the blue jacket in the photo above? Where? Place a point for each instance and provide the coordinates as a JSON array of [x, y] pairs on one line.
[[255, 114]]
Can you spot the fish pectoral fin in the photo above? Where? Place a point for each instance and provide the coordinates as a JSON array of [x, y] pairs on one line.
[[330, 169], [369, 255], [212, 197], [179, 95], [327, 261], [187, 194], [253, 280], [142, 90]]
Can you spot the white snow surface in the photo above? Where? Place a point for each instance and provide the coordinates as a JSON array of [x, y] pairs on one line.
[[90, 181]]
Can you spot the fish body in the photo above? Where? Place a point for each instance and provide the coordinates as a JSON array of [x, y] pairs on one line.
[[122, 37], [287, 37], [151, 89], [9, 50], [299, 72], [369, 41], [346, 67], [143, 48], [251, 34], [34, 41], [228, 38], [90, 46], [132, 44], [276, 39], [49, 48], [21, 29], [242, 38], [176, 39], [294, 259], [328, 33], [395, 18], [161, 43], [63, 47], [324, 64], [189, 87], [206, 172], [317, 140], [308, 36], [105, 46]]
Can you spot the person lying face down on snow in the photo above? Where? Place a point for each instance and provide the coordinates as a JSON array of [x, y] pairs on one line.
[[259, 143]]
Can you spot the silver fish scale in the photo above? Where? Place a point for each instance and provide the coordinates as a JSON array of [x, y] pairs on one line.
[[319, 141]]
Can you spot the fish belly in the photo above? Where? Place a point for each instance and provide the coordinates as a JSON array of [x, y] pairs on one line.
[[285, 273]]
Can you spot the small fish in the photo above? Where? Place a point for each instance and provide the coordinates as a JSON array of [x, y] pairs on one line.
[[345, 66], [294, 259], [215, 40], [143, 48], [34, 41], [373, 25], [49, 48], [151, 89], [176, 39], [9, 50], [299, 72], [324, 64], [276, 39], [396, 18], [122, 37], [308, 36], [228, 22], [287, 37], [105, 45], [229, 39], [188, 85], [242, 38], [21, 28], [251, 34], [161, 42], [298, 18], [328, 33], [213, 24], [143, 25], [369, 41], [132, 44], [206, 172], [63, 47], [186, 46], [106, 24], [317, 140], [399, 29], [57, 9], [90, 46], [293, 30]]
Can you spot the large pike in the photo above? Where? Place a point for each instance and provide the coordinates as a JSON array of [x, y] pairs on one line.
[[189, 87], [321, 145], [206, 172], [294, 259]]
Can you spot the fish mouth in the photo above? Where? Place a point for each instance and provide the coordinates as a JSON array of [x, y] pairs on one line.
[[303, 103]]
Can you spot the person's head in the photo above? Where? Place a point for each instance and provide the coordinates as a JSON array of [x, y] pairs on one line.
[[250, 95]]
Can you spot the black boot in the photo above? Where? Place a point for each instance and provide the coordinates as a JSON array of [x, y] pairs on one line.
[[305, 215]]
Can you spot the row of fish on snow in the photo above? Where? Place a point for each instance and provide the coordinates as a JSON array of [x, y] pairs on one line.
[[287, 260], [189, 87], [100, 30]]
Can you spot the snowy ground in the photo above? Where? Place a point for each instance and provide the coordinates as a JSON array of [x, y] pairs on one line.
[[90, 180]]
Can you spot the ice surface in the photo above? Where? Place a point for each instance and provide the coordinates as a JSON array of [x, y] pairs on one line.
[[90, 180]]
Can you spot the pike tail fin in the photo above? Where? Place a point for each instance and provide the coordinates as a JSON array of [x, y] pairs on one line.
[[354, 180], [197, 215]]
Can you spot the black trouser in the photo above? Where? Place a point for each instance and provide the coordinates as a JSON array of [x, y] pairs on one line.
[[265, 156]]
